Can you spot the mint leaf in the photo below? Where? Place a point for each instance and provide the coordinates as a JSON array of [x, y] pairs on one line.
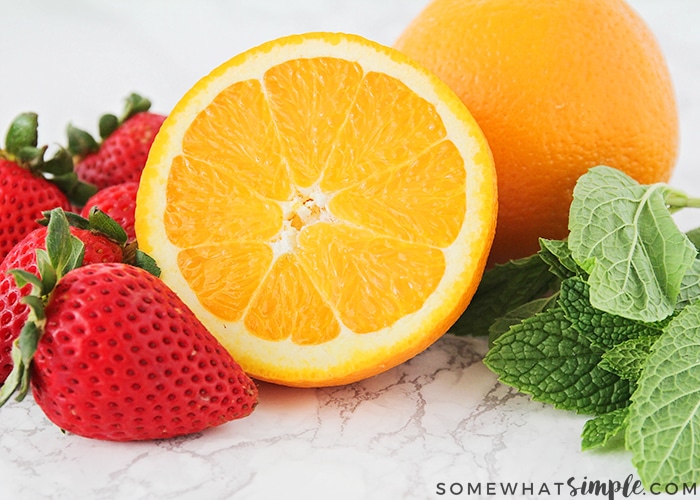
[[664, 424], [603, 330], [557, 255], [628, 358], [623, 235], [544, 356], [520, 313], [601, 430], [690, 286], [503, 288], [694, 236]]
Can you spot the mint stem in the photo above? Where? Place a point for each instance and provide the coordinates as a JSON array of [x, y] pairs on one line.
[[677, 200], [693, 203]]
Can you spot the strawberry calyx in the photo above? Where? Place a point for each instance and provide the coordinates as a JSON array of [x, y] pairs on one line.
[[101, 223], [82, 143], [64, 252], [21, 148]]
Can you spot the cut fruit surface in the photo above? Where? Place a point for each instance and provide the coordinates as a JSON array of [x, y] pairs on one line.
[[323, 204]]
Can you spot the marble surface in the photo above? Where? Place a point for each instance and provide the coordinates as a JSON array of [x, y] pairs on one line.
[[439, 419]]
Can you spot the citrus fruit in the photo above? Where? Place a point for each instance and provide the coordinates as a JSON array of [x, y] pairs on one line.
[[557, 87], [323, 204]]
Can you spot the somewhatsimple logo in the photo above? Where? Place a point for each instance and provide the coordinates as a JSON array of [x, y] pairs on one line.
[[572, 487]]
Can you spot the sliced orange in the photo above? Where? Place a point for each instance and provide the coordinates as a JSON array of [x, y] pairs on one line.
[[323, 204]]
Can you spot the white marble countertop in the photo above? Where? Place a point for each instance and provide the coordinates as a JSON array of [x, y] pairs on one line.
[[441, 418]]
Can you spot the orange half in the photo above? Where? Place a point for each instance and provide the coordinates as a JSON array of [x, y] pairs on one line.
[[323, 204]]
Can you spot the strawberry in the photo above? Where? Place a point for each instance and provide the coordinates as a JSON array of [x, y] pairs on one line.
[[30, 185], [110, 352], [23, 256], [119, 202], [104, 242], [123, 150]]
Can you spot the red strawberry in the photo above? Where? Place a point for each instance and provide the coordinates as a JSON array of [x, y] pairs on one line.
[[120, 357], [126, 141], [22, 256], [101, 243], [23, 196], [119, 202], [123, 358], [25, 191]]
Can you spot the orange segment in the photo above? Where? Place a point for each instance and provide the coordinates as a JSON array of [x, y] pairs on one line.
[[226, 294], [422, 201], [201, 199], [372, 281], [375, 138], [288, 305], [310, 98], [237, 149], [323, 204]]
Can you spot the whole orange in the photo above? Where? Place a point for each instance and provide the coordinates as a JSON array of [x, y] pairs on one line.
[[557, 86]]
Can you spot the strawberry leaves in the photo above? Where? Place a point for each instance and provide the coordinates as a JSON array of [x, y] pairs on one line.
[[64, 252], [21, 147], [82, 143], [134, 104], [22, 137], [99, 222]]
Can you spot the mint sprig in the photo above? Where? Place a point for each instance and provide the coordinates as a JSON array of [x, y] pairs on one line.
[[502, 289], [664, 422], [627, 359], [602, 329], [623, 235], [602, 430], [607, 322], [545, 356]]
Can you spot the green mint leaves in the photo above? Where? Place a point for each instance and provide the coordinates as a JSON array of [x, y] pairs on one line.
[[607, 323], [545, 356], [664, 420], [623, 235]]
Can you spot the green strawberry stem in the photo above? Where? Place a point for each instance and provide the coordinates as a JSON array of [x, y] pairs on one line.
[[99, 222], [81, 143], [135, 104], [22, 133], [21, 148], [107, 125]]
